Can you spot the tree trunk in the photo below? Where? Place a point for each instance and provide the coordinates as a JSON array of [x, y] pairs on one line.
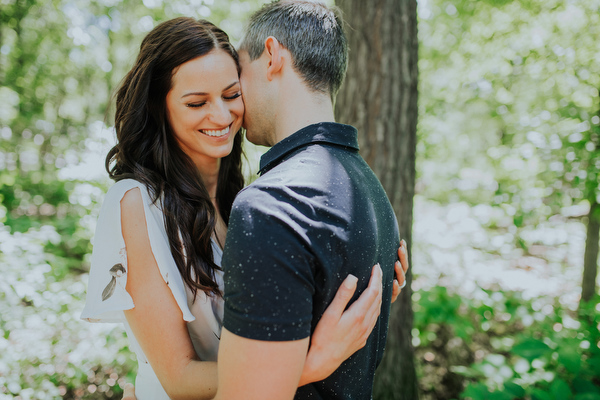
[[590, 258], [379, 98]]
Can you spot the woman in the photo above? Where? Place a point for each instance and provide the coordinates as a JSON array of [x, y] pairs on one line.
[[161, 230]]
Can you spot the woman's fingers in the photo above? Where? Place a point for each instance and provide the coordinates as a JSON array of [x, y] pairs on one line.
[[400, 274], [361, 306], [376, 287], [343, 296], [363, 313], [339, 333], [395, 290], [372, 315], [403, 255], [400, 268], [360, 318], [399, 280]]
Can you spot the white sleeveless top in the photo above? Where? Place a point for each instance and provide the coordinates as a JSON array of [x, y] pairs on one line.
[[107, 298]]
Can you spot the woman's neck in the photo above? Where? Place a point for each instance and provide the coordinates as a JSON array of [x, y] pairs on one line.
[[209, 171]]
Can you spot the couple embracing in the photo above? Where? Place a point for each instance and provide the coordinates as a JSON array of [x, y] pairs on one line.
[[242, 292]]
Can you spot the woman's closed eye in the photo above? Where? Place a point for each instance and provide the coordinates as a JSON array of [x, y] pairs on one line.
[[195, 105], [235, 96]]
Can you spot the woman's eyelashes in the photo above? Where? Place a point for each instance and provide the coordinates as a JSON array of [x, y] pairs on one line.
[[198, 105], [235, 96], [195, 105]]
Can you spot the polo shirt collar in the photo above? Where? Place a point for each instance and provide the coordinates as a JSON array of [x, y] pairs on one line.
[[323, 132]]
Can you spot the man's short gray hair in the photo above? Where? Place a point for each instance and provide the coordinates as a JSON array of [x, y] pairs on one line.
[[312, 32]]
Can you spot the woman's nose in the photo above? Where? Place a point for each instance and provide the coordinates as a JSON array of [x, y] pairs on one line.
[[220, 113]]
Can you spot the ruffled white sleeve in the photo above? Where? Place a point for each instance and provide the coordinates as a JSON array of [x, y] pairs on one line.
[[106, 296]]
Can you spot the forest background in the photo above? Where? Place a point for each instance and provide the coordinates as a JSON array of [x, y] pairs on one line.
[[507, 170]]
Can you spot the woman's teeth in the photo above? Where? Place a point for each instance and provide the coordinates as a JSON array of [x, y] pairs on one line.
[[215, 133]]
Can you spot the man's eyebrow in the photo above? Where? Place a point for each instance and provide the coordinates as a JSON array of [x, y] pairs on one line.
[[205, 94]]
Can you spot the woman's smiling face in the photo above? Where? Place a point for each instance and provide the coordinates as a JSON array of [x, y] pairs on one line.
[[205, 107]]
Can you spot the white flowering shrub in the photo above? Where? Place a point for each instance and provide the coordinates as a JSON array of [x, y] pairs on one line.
[[46, 351]]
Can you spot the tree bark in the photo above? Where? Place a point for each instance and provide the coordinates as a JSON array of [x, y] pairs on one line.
[[379, 98], [590, 258]]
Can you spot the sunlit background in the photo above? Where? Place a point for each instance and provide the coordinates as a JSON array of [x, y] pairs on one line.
[[507, 168]]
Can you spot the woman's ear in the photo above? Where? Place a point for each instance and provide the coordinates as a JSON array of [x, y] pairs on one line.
[[274, 51]]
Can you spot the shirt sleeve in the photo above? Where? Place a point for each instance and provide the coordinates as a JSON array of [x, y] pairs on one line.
[[106, 297], [269, 283]]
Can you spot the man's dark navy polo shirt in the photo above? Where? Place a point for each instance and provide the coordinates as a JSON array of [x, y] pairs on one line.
[[316, 214]]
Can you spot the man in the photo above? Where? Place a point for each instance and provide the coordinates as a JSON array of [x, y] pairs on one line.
[[316, 214]]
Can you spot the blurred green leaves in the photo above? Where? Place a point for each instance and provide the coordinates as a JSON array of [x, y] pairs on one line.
[[509, 125], [530, 349], [554, 357], [510, 89]]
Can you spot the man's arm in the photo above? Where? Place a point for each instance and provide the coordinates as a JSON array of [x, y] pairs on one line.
[[269, 287], [253, 369]]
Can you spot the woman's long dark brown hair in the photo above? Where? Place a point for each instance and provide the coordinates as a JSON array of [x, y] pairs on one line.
[[147, 151]]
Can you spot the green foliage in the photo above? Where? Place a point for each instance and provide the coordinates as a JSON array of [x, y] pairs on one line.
[[537, 350], [509, 105], [510, 126]]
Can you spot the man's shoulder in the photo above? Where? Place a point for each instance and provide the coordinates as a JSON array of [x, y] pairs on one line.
[[260, 197], [257, 190], [278, 181]]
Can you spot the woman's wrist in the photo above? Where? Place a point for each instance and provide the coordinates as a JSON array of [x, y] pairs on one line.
[[308, 373], [315, 367]]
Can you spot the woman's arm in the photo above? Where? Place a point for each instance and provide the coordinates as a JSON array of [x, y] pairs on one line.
[[156, 320]]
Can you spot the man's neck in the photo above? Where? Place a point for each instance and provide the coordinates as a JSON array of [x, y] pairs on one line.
[[300, 110]]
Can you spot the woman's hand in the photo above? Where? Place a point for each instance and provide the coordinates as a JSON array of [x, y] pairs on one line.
[[400, 268], [339, 333]]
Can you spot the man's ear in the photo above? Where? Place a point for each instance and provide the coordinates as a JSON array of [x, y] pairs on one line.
[[274, 51]]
